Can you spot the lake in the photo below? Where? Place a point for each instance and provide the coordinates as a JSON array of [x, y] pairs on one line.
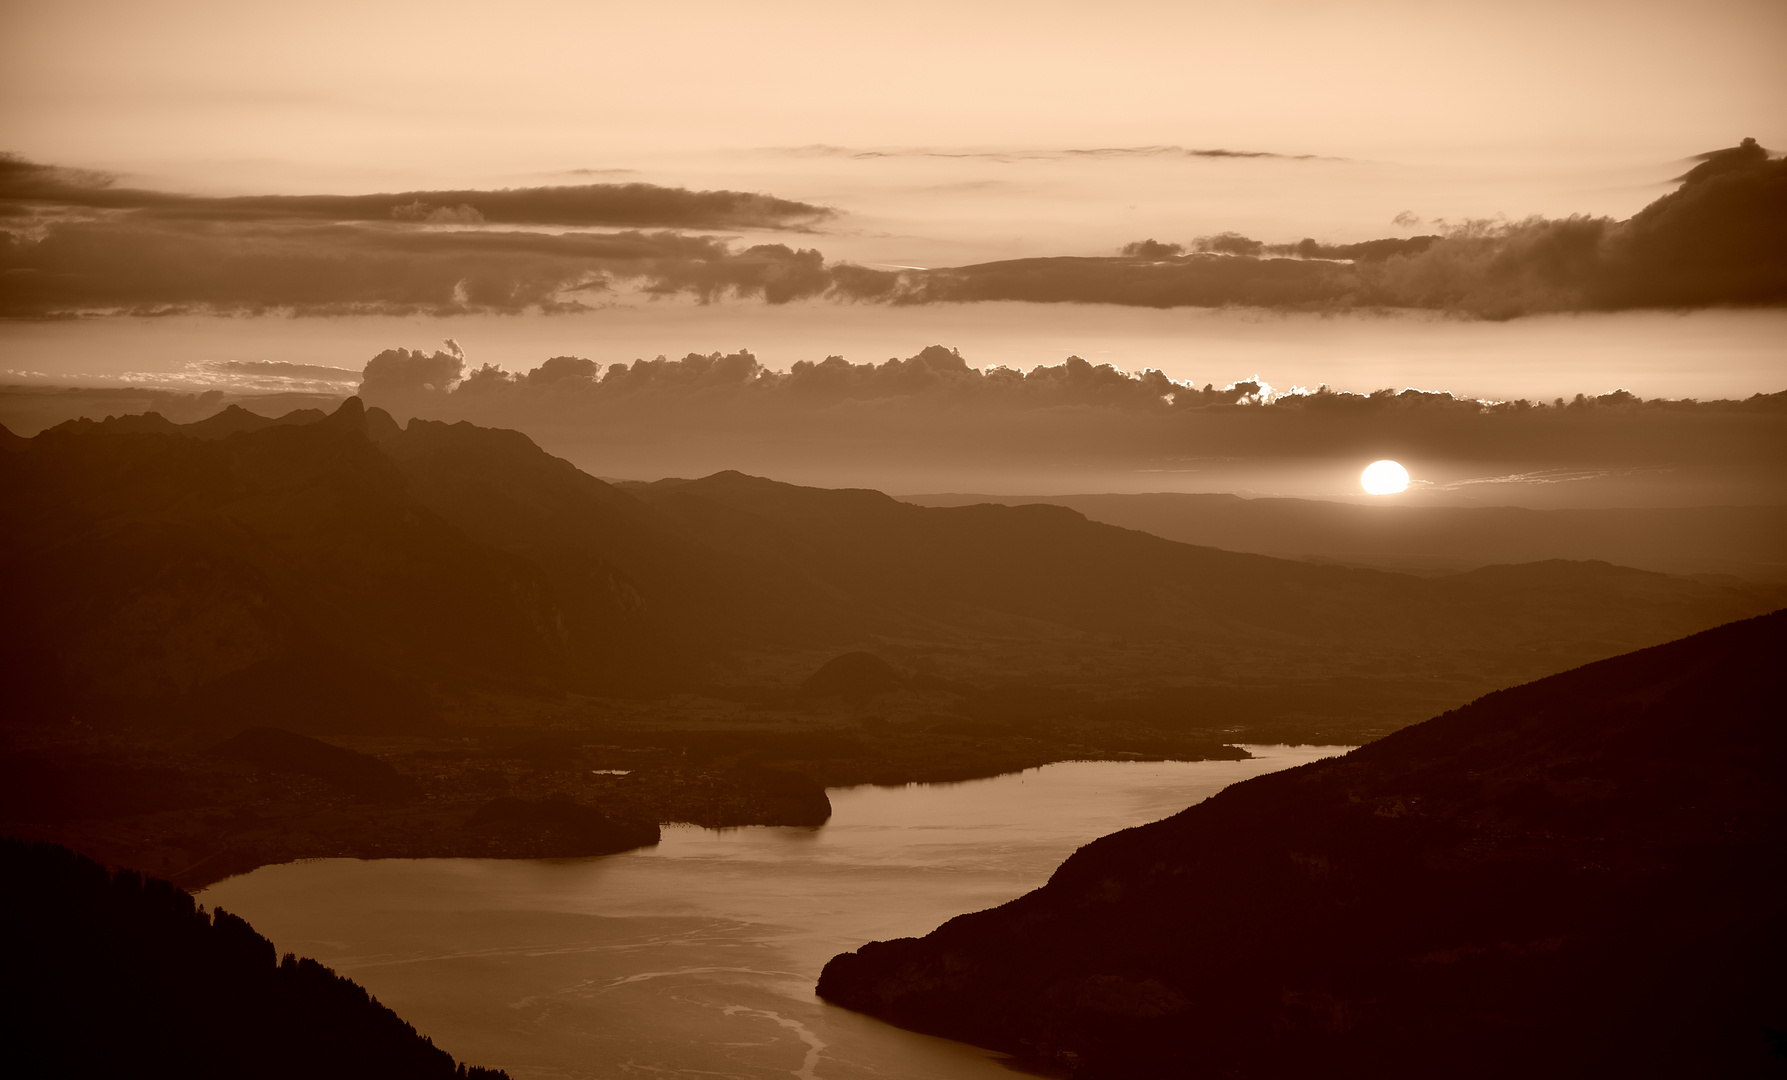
[[697, 958]]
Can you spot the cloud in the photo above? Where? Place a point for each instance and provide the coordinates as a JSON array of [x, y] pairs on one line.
[[775, 272], [933, 421], [936, 374], [1363, 251], [438, 215], [1198, 280], [282, 370], [155, 266], [1151, 249], [404, 371], [1227, 243], [562, 367], [634, 205], [1154, 151], [1721, 238], [79, 244], [927, 421]]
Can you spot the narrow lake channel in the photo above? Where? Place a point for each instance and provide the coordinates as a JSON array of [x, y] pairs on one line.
[[697, 958]]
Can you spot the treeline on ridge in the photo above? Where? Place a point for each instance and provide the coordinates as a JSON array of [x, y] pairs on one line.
[[116, 974]]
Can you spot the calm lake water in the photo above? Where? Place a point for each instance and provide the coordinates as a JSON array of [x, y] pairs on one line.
[[697, 958]]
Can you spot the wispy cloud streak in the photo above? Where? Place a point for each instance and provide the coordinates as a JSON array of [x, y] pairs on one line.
[[1041, 154]]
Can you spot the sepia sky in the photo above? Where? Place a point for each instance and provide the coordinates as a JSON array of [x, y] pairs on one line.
[[930, 134], [213, 95]]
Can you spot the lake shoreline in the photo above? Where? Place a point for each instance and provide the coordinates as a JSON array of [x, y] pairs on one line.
[[195, 820], [701, 953]]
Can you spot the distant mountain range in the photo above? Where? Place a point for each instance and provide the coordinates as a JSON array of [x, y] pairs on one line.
[[1582, 876], [338, 572], [1749, 541]]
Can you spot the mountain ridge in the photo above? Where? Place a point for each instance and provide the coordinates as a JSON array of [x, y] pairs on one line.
[[1511, 885], [447, 555]]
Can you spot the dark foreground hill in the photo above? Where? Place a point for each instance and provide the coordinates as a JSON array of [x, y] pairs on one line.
[[112, 974], [1582, 876]]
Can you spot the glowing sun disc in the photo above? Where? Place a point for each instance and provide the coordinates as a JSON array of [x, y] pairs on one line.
[[1384, 478]]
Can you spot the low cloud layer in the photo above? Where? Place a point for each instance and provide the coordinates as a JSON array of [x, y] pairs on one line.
[[933, 420], [1720, 239], [157, 266], [1156, 151], [72, 244], [279, 369], [25, 185]]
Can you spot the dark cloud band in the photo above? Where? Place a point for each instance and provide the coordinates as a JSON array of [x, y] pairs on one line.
[[932, 418], [578, 205], [151, 267], [824, 150], [1720, 239]]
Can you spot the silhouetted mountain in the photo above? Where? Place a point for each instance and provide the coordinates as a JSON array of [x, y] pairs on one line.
[[282, 751], [113, 974], [1579, 876], [1038, 572], [30, 409], [404, 588], [48, 786], [10, 442], [634, 598], [281, 565], [854, 676], [1745, 540], [344, 574]]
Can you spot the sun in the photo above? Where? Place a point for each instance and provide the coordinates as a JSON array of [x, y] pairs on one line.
[[1384, 478]]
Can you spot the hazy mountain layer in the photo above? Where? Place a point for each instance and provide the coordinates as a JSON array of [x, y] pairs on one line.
[[1578, 876], [343, 573], [936, 421], [1750, 541]]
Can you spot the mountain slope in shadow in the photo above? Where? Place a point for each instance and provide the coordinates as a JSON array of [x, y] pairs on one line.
[[1580, 876], [115, 974], [998, 569], [340, 573], [295, 572]]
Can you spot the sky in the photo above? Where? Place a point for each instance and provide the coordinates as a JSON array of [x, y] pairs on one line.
[[884, 179], [229, 96]]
